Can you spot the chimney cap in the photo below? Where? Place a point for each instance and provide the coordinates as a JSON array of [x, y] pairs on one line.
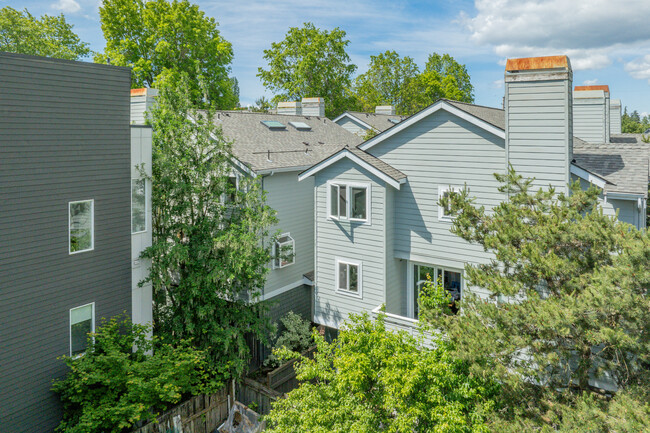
[[537, 63], [144, 92], [288, 104], [315, 99], [603, 87]]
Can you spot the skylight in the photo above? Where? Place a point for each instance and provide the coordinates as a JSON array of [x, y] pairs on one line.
[[395, 121], [301, 126], [273, 124]]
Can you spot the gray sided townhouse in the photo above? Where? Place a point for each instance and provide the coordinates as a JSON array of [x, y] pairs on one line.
[[361, 123], [275, 148], [70, 200], [378, 227]]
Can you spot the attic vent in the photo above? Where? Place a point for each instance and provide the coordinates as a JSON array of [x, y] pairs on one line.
[[301, 126], [395, 121], [272, 124]]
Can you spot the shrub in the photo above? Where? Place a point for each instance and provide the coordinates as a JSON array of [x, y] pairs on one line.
[[118, 381], [296, 337]]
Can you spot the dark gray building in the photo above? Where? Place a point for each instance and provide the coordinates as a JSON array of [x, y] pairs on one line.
[[65, 222]]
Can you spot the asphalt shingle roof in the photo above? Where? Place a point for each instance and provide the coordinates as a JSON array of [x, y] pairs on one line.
[[493, 116], [378, 121], [262, 148], [625, 166], [380, 165]]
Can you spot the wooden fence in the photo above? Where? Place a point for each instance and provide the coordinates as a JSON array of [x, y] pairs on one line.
[[283, 379], [200, 414], [260, 396]]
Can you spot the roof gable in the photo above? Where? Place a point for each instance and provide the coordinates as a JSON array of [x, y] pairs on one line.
[[454, 109]]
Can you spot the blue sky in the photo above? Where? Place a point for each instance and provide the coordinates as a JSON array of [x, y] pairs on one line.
[[608, 41]]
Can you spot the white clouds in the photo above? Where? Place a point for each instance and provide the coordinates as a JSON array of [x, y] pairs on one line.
[[639, 68], [590, 32], [67, 6], [590, 82]]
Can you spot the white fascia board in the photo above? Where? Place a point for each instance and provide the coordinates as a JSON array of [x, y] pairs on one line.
[[344, 153], [440, 105], [354, 119], [624, 195], [271, 171], [589, 177]]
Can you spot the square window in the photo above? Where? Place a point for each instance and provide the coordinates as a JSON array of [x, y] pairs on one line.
[[349, 202], [138, 206], [82, 322], [80, 226], [348, 277], [284, 251]]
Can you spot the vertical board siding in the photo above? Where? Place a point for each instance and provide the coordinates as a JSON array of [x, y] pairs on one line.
[[294, 203], [65, 137], [348, 240], [440, 150], [590, 119], [538, 136]]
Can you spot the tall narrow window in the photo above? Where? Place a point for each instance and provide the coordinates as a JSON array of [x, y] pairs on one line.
[[284, 251], [358, 196], [334, 201], [348, 277], [444, 212], [138, 205], [82, 322], [80, 226], [343, 202]]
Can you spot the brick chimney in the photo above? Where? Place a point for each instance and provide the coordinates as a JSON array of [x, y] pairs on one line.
[[313, 107], [290, 107], [591, 114], [539, 130]]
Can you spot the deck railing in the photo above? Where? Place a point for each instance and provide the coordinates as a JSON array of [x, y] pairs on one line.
[[395, 322]]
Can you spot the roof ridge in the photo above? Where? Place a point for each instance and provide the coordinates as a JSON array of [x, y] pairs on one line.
[[471, 103]]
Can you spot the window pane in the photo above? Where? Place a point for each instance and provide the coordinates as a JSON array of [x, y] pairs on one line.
[[343, 276], [231, 191], [138, 206], [358, 202], [343, 209], [354, 271], [80, 325], [334, 201], [81, 233], [424, 271], [452, 282]]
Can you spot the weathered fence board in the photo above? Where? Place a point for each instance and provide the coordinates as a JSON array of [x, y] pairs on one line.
[[250, 391], [200, 414]]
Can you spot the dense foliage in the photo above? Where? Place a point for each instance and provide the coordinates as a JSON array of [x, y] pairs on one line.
[[118, 381], [370, 379], [48, 36], [310, 62], [208, 258], [568, 303], [294, 335], [633, 123], [171, 37]]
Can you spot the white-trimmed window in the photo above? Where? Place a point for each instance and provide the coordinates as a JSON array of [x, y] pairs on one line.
[[444, 212], [138, 205], [81, 216], [451, 279], [82, 322], [284, 251], [348, 277], [349, 201]]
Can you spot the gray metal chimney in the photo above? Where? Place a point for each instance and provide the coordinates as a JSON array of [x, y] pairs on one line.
[[385, 109], [290, 107], [539, 134], [615, 116], [313, 107]]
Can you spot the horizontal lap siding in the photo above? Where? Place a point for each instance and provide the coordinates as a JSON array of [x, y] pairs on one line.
[[440, 150], [65, 137], [294, 203], [347, 240], [589, 120], [352, 126], [538, 125]]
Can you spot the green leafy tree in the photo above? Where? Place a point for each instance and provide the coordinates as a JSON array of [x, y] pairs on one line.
[[569, 294], [295, 336], [118, 381], [262, 105], [633, 123], [48, 36], [388, 81], [208, 258], [173, 36], [310, 62], [370, 379], [443, 77]]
